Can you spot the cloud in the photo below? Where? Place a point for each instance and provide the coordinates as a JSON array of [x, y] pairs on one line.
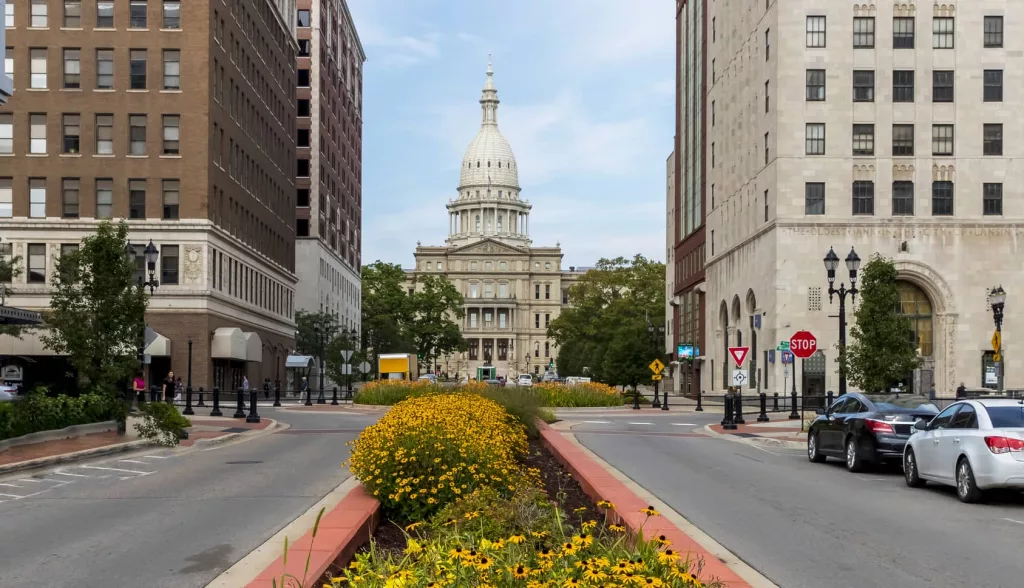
[[384, 46]]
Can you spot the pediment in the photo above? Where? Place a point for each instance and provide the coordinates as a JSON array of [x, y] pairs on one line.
[[488, 247]]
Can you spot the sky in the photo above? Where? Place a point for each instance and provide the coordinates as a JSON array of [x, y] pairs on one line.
[[586, 90]]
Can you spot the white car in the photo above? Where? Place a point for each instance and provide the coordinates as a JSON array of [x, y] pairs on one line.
[[974, 445], [525, 380], [8, 393]]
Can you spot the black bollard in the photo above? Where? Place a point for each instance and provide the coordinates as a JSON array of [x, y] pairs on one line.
[[763, 417], [727, 409], [320, 397], [201, 403], [828, 399], [334, 396], [738, 403], [216, 403], [188, 402], [793, 414], [277, 393], [636, 399], [775, 402], [239, 404], [700, 395], [254, 417]]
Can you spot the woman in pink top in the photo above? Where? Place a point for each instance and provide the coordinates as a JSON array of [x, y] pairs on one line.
[[139, 385]]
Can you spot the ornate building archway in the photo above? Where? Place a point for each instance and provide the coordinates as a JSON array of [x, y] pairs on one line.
[[927, 299]]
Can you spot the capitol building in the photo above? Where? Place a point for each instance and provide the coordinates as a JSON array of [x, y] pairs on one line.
[[512, 289]]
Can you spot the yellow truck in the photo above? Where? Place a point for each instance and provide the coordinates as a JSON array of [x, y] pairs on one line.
[[397, 366]]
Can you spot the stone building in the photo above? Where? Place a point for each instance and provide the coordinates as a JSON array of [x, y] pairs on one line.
[[513, 290], [878, 127]]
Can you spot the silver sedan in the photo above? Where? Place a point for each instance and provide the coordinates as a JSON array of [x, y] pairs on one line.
[[973, 445]]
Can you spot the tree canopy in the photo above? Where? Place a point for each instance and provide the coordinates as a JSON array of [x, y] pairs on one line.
[[882, 350], [605, 330], [10, 267]]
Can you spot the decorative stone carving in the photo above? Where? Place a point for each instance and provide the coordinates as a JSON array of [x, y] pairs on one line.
[[193, 265], [943, 173], [931, 282]]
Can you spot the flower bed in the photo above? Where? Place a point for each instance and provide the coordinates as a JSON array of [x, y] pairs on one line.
[[577, 395], [390, 392]]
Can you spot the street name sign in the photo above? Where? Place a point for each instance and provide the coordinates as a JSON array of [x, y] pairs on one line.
[[803, 344], [739, 354], [782, 346]]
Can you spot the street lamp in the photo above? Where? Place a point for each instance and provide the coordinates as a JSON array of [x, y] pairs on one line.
[[321, 337], [151, 254], [831, 264], [996, 299], [656, 333]]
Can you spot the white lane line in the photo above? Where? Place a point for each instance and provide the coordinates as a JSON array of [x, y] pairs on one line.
[[684, 425], [10, 485], [641, 423], [598, 422], [117, 470], [156, 456], [132, 461], [30, 480], [70, 474], [1014, 521], [10, 495]]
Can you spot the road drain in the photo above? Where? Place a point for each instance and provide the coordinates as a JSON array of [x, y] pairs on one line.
[[242, 462]]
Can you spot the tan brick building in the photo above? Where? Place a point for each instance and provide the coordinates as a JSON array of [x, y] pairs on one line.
[[180, 117]]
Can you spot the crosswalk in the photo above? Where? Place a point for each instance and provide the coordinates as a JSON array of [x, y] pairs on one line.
[[121, 469]]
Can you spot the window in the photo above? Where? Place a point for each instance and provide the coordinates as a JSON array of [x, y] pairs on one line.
[[903, 32], [302, 138], [766, 148], [814, 140], [993, 139], [864, 32], [104, 69], [473, 292], [137, 69], [38, 14], [303, 18], [172, 194], [36, 263], [767, 44], [37, 68], [302, 197], [993, 31], [942, 198], [966, 418], [864, 85], [302, 168], [863, 139], [547, 348], [942, 86], [992, 199], [503, 290], [303, 47], [137, 14], [72, 14], [6, 197], [172, 133], [814, 198], [69, 198], [536, 291], [72, 68], [303, 107], [863, 197], [942, 139], [168, 265], [903, 140], [37, 134], [903, 198], [993, 85], [9, 15], [547, 291], [37, 198], [137, 134], [172, 69], [302, 227], [943, 32], [6, 133], [172, 14], [9, 62], [816, 31], [137, 199], [105, 134], [303, 78], [104, 198], [903, 85], [72, 133], [536, 321], [105, 14]]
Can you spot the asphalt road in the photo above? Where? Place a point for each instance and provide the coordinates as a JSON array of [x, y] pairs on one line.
[[172, 518], [807, 525]]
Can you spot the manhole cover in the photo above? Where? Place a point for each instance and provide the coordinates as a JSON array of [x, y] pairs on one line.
[[235, 430], [242, 462]]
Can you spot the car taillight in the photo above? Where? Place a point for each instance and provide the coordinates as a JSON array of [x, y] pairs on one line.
[[1004, 444], [879, 426]]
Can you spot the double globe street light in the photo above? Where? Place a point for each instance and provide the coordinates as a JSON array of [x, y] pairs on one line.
[[831, 264], [997, 299]]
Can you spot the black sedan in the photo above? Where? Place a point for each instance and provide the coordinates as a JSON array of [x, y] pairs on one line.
[[863, 429]]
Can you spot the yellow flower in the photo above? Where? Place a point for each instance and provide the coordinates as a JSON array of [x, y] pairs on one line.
[[472, 515], [668, 556], [413, 526], [519, 572], [545, 553], [571, 583], [458, 552], [483, 562], [583, 539], [569, 548], [662, 540], [413, 547], [650, 511], [605, 504], [517, 539], [651, 581], [587, 526], [616, 528]]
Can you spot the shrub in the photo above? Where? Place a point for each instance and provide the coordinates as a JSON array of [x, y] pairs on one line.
[[39, 412], [523, 404], [161, 422], [390, 392], [427, 451], [578, 395], [528, 509]]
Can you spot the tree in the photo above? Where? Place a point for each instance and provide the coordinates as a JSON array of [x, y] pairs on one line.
[[882, 351], [386, 309], [10, 267], [432, 329], [308, 326], [335, 358]]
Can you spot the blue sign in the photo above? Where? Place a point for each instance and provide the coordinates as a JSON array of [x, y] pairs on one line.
[[787, 357], [757, 321], [685, 351], [771, 356]]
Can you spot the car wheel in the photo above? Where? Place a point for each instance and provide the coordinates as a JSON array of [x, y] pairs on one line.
[[910, 472], [813, 454], [853, 461], [966, 488]]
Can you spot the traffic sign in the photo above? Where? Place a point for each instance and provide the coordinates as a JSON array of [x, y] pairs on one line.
[[787, 357], [997, 341], [656, 366], [803, 344], [782, 346], [738, 354], [656, 377], [997, 357], [346, 355], [739, 377], [364, 367]]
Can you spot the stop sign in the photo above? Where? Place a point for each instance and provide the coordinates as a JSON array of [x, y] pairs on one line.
[[803, 344]]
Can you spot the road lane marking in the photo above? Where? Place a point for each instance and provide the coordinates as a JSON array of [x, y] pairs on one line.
[[10, 485], [156, 456], [30, 480], [598, 422], [10, 495], [117, 470], [684, 425], [132, 461], [641, 423], [1014, 521], [70, 474]]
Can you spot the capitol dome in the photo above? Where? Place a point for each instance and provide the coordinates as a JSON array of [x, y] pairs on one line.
[[489, 160]]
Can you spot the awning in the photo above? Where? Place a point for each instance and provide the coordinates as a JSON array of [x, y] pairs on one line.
[[156, 344], [18, 316], [253, 347], [298, 361], [229, 343]]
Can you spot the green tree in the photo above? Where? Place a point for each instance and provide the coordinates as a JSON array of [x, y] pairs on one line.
[[434, 304], [10, 267], [308, 326], [882, 350], [387, 310], [97, 312], [335, 357]]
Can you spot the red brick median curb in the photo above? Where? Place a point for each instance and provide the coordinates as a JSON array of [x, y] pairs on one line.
[[599, 484], [341, 532]]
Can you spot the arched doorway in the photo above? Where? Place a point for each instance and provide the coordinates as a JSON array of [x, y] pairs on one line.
[[723, 325], [916, 306], [753, 375]]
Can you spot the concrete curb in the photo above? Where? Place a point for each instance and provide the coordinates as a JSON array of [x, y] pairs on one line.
[[209, 443], [58, 434], [756, 441], [43, 462], [598, 481]]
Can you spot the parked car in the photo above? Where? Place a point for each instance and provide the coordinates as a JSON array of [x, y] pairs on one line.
[[429, 377], [525, 380], [573, 380], [864, 429], [973, 445], [8, 393], [495, 382]]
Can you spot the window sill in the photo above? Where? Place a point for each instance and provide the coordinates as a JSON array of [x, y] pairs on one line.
[[70, 154], [178, 30], [37, 155], [170, 156], [37, 89], [170, 91], [137, 91], [137, 156], [70, 89], [104, 29], [6, 155], [103, 90], [146, 30], [72, 29], [38, 28], [103, 155]]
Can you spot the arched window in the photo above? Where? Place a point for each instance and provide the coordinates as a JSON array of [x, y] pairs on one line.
[[478, 223], [915, 305]]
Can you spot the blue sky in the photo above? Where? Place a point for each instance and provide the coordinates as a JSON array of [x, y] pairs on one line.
[[586, 103]]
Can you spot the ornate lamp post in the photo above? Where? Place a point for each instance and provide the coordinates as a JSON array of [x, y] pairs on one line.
[[831, 264], [997, 299], [151, 254], [656, 333]]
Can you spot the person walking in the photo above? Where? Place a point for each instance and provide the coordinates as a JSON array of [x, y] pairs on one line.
[[303, 389], [179, 388], [167, 390], [961, 391], [245, 383], [139, 386], [266, 388]]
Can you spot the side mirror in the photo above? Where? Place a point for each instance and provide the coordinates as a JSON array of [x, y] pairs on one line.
[[921, 425], [819, 410]]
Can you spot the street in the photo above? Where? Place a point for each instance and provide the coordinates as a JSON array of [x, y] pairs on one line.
[[175, 518], [806, 525]]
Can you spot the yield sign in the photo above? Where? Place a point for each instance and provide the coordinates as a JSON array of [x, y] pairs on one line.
[[739, 354]]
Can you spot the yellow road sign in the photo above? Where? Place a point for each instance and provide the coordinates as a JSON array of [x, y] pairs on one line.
[[656, 377], [656, 366], [997, 357], [997, 341]]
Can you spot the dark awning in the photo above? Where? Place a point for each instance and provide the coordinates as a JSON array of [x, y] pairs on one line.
[[16, 316]]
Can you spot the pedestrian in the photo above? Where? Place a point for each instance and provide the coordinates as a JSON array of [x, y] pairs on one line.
[[178, 389], [167, 390], [931, 392], [245, 383], [303, 389], [139, 386], [266, 388], [961, 391]]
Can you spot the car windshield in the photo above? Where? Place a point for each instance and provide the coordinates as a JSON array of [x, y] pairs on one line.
[[1006, 417], [904, 402]]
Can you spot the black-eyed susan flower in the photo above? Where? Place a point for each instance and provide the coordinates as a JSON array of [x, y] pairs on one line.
[[650, 511], [545, 553], [605, 504], [668, 556], [519, 572], [517, 539], [616, 528]]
